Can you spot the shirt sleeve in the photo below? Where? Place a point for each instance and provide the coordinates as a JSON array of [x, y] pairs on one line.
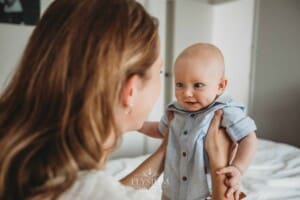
[[163, 124], [237, 123]]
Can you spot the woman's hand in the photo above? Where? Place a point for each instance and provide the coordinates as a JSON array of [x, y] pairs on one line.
[[217, 143]]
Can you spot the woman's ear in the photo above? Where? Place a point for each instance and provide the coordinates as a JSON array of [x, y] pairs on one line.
[[222, 85], [129, 91]]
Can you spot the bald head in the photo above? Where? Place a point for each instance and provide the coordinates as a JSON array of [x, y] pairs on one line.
[[206, 54]]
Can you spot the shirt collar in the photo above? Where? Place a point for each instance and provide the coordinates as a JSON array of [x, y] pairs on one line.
[[224, 98]]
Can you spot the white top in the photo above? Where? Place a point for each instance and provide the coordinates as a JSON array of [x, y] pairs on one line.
[[99, 185]]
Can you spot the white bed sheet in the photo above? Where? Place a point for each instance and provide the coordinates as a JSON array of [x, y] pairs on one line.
[[274, 174]]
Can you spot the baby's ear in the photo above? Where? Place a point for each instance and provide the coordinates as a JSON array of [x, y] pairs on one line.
[[222, 85]]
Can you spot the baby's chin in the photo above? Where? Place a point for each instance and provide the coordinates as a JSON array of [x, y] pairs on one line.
[[192, 107]]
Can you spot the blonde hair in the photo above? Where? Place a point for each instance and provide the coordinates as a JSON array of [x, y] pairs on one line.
[[57, 110]]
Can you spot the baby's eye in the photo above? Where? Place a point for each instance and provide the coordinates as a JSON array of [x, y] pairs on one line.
[[198, 85], [179, 85]]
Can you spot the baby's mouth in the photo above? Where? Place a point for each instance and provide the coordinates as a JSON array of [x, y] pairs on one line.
[[190, 102]]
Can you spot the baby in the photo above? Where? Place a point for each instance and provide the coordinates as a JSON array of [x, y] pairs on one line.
[[200, 90]]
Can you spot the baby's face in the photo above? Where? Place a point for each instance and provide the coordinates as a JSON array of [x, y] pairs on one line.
[[197, 83]]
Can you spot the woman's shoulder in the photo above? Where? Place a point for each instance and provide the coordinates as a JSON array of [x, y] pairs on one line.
[[100, 185]]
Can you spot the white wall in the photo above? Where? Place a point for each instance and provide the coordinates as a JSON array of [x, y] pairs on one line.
[[232, 33], [193, 23], [12, 39]]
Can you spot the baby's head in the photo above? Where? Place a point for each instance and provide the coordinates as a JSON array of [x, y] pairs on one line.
[[199, 76]]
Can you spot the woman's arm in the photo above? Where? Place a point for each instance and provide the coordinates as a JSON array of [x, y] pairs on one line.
[[217, 145], [145, 175]]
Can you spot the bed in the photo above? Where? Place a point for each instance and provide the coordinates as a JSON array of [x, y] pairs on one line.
[[274, 174]]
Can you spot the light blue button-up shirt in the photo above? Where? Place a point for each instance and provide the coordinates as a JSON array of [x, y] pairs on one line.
[[184, 173]]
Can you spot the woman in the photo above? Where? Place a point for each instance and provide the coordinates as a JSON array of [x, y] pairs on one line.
[[90, 72]]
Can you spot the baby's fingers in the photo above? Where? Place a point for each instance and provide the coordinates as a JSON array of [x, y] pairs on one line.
[[237, 195], [230, 182], [226, 170], [232, 190]]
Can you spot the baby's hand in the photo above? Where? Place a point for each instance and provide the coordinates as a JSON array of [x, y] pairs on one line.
[[233, 180]]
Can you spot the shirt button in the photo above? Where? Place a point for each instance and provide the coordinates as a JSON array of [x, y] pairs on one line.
[[184, 154], [192, 115], [185, 132], [184, 178]]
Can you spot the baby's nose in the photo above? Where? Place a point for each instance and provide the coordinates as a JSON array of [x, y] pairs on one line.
[[188, 92]]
